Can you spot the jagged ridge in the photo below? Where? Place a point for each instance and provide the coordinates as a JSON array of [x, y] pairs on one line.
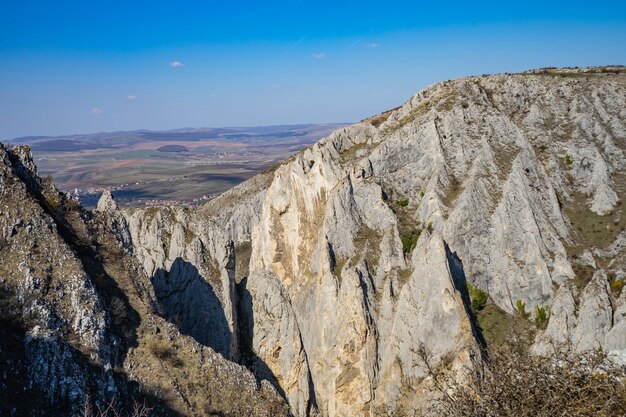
[[79, 316]]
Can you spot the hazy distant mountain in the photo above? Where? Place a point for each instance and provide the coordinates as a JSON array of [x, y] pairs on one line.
[[124, 138]]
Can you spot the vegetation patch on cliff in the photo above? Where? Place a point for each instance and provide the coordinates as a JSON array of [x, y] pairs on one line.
[[454, 190], [592, 230], [498, 327], [511, 382]]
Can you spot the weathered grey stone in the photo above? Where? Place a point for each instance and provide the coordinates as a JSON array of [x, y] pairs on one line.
[[106, 203], [615, 340], [560, 331], [595, 314]]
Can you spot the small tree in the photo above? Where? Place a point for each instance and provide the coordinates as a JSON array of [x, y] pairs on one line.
[[409, 241], [478, 297]]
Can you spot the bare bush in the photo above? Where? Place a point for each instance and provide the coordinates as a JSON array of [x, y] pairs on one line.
[[111, 409], [512, 382], [163, 351]]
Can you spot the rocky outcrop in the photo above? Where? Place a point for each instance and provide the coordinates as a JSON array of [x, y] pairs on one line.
[[276, 345], [615, 340], [47, 295], [191, 269], [429, 317], [107, 203], [560, 330], [592, 323], [78, 319]]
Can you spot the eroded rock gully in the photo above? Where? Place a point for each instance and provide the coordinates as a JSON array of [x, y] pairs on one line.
[[326, 275]]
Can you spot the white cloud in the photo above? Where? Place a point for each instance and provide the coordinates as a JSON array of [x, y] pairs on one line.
[[131, 97], [96, 111], [176, 64], [371, 45], [321, 55]]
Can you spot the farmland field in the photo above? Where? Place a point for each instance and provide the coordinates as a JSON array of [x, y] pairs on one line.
[[183, 166]]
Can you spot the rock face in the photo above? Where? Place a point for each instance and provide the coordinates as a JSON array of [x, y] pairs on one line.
[[192, 271], [518, 175], [334, 275], [78, 316]]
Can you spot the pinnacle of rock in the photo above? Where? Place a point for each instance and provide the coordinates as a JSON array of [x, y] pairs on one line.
[[107, 202]]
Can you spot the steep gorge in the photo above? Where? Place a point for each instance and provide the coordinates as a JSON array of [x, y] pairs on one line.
[[330, 274]]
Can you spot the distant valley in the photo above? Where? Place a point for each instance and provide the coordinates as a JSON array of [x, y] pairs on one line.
[[183, 166]]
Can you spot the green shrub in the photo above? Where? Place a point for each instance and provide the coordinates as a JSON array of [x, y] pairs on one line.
[[403, 202], [430, 227], [542, 317], [478, 297], [409, 241], [521, 308], [421, 194], [616, 287], [568, 160]]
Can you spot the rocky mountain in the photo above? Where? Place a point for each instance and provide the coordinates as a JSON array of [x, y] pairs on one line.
[[80, 320], [483, 209]]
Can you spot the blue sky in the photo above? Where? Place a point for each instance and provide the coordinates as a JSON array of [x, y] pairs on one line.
[[86, 66]]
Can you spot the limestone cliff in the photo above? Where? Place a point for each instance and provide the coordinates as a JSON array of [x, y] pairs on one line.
[[358, 250], [78, 316], [331, 274]]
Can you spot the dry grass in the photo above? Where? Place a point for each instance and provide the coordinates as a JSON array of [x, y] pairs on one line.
[[243, 251], [381, 118], [498, 327], [353, 153], [165, 352], [591, 229], [420, 109], [575, 72], [367, 244], [339, 264], [455, 188]]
